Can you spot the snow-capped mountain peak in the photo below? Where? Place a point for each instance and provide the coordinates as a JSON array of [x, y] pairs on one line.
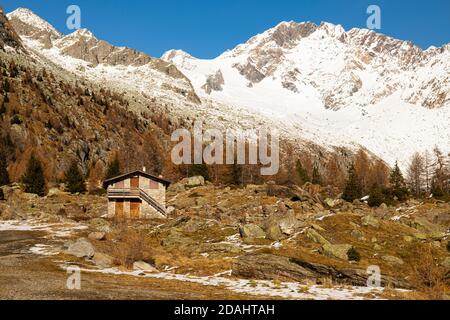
[[328, 83], [27, 23]]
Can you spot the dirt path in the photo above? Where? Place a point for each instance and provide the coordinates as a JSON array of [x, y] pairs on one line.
[[24, 275]]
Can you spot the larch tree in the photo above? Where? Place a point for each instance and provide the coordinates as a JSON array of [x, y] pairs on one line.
[[302, 173], [362, 169], [416, 174]]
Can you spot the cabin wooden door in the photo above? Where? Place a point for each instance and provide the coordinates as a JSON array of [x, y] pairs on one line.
[[135, 183], [119, 209], [135, 209]]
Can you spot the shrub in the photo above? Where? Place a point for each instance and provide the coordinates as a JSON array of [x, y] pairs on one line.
[[130, 247], [448, 245], [2, 195], [353, 255], [429, 278]]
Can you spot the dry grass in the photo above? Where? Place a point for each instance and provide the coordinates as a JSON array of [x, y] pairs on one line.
[[431, 279], [130, 246]]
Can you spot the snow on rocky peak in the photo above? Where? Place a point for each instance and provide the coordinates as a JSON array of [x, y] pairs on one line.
[[28, 24], [334, 87], [120, 68]]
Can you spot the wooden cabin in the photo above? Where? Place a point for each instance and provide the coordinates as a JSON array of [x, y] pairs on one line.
[[136, 195]]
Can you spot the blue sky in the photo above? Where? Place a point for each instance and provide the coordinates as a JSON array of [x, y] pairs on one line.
[[206, 28]]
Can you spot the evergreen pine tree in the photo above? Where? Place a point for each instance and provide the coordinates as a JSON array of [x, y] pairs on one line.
[[113, 168], [302, 173], [74, 179], [376, 196], [34, 179], [236, 174], [353, 190], [3, 108], [6, 87], [398, 184], [199, 170], [4, 176], [316, 178]]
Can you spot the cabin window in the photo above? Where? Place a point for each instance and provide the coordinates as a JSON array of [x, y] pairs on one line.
[[153, 185]]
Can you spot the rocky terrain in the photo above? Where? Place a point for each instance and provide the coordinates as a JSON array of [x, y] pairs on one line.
[[268, 240]]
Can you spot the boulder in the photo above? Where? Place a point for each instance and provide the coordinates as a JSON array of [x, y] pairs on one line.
[[408, 239], [176, 238], [218, 248], [369, 221], [81, 248], [100, 225], [272, 267], [273, 232], [357, 234], [433, 231], [392, 260], [97, 236], [55, 192], [446, 262], [333, 203], [316, 237], [290, 224], [201, 201], [193, 182], [339, 251], [144, 266], [170, 210], [252, 231], [269, 267], [103, 260]]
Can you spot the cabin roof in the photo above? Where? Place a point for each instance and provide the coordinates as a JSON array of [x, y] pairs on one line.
[[125, 176]]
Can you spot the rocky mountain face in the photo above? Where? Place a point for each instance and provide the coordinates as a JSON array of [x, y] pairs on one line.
[[323, 88], [97, 60], [334, 86], [8, 36], [335, 64]]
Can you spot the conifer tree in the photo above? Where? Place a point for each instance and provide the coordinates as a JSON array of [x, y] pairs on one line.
[[34, 180], [236, 174], [353, 188], [4, 176], [398, 185], [74, 179], [302, 173], [113, 168], [199, 170]]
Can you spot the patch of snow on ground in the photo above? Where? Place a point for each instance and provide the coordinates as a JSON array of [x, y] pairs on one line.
[[286, 290]]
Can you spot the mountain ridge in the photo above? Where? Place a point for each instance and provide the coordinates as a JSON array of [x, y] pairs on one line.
[[316, 83]]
